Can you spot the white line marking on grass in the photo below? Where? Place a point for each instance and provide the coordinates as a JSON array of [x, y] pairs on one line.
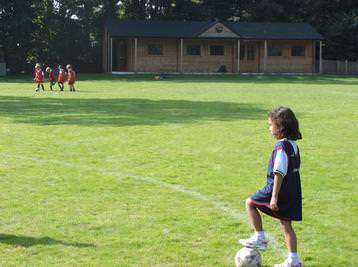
[[175, 187]]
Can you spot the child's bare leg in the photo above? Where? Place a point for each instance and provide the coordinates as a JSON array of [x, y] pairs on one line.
[[290, 235], [254, 215], [258, 240]]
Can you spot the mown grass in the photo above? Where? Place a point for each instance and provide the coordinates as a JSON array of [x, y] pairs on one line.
[[129, 171]]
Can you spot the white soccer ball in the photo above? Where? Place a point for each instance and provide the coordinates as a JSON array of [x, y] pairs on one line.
[[248, 257]]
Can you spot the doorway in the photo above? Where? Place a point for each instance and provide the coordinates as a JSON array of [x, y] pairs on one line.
[[249, 57], [120, 56]]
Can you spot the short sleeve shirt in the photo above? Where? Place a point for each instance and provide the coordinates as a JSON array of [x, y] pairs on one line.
[[281, 159]]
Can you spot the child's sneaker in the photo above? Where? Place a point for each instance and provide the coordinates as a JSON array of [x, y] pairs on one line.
[[254, 242], [287, 263]]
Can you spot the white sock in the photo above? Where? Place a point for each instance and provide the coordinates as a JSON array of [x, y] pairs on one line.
[[260, 235], [293, 257]]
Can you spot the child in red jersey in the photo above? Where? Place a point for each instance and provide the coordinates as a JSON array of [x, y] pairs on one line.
[[51, 77], [70, 78], [61, 77], [39, 77]]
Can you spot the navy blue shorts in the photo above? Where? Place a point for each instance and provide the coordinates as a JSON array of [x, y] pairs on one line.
[[265, 208]]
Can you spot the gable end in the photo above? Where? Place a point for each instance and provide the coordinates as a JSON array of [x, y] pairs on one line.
[[218, 30]]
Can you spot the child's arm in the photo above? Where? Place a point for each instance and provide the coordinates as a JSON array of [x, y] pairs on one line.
[[276, 189]]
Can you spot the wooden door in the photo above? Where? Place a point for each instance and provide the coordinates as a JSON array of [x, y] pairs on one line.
[[249, 59]]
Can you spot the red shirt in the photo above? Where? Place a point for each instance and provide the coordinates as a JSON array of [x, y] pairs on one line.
[[61, 76], [71, 77], [52, 76], [39, 76]]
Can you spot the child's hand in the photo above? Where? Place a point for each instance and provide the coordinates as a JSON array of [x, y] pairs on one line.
[[273, 204]]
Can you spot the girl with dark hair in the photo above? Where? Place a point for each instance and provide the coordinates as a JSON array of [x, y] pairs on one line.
[[281, 198]]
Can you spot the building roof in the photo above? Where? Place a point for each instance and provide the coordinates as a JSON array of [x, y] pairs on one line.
[[155, 28], [192, 29], [274, 30]]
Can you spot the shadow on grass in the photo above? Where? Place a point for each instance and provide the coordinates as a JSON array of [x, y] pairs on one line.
[[28, 241], [204, 78], [122, 112]]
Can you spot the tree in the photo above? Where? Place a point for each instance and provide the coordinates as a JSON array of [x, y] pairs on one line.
[[337, 21], [71, 31], [15, 25]]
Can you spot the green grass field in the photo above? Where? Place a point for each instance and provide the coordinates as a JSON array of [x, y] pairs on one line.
[[129, 171]]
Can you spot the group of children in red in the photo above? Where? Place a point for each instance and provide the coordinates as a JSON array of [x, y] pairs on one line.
[[61, 77]]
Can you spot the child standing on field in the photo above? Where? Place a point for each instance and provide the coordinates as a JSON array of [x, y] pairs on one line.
[[51, 77], [70, 78], [281, 198], [39, 77], [61, 77]]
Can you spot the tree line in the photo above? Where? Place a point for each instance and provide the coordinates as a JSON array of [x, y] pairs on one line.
[[71, 31]]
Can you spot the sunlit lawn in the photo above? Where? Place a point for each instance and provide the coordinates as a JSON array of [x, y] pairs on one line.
[[129, 171]]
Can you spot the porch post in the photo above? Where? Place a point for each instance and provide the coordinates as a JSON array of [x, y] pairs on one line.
[[265, 56], [320, 57], [181, 54], [135, 54], [313, 56], [238, 56], [104, 51], [111, 57], [108, 53]]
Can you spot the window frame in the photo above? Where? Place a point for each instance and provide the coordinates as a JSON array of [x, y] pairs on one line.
[[187, 49], [155, 46], [251, 52], [216, 45], [242, 52], [271, 50], [303, 51]]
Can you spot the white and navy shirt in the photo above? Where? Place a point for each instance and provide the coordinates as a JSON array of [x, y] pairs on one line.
[[281, 158]]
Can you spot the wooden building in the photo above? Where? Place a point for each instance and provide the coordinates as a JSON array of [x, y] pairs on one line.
[[210, 46]]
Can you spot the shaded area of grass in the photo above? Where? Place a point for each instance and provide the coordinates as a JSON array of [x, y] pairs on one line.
[[28, 241], [122, 112]]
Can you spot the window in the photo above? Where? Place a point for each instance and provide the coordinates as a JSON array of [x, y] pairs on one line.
[[193, 50], [216, 50], [155, 49], [274, 51], [242, 51], [251, 52], [298, 51]]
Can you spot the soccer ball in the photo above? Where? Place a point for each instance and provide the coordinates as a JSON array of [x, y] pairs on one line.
[[248, 257]]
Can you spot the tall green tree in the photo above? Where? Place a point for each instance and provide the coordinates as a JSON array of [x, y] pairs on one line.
[[185, 10], [220, 10], [16, 26], [337, 21]]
